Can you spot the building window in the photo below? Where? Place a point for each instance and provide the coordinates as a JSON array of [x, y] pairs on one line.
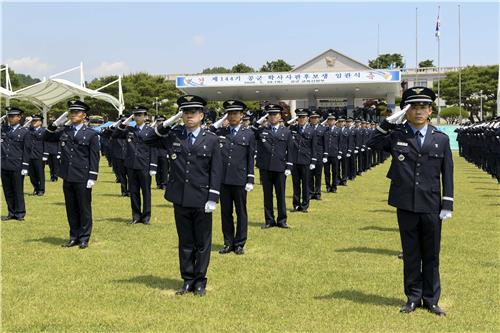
[[420, 83]]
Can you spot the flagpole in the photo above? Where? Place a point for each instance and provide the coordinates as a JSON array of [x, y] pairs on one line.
[[459, 68], [438, 28], [416, 44]]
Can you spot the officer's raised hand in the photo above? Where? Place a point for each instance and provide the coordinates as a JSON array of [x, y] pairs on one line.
[[172, 120], [61, 120], [397, 118]]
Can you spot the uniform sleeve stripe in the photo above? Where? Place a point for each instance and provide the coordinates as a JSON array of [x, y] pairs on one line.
[[26, 163], [46, 153], [158, 133], [250, 176], [214, 191], [289, 163], [380, 129], [448, 198], [314, 159], [93, 172], [153, 164]]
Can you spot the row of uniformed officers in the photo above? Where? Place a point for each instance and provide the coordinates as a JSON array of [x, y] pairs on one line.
[[206, 165], [198, 167], [479, 143]]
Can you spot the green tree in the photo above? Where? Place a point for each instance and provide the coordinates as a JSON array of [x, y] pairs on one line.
[[386, 60], [426, 63], [452, 114], [474, 80], [216, 70], [279, 65], [242, 68]]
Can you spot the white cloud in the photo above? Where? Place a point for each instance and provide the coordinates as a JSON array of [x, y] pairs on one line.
[[111, 68], [28, 65], [199, 40]]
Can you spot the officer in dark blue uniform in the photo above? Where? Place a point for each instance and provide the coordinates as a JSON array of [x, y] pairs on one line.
[[317, 171], [304, 159], [421, 160], [52, 156], [15, 147], [351, 147], [274, 160], [163, 161], [331, 156], [36, 170], [79, 168], [193, 187], [238, 149], [343, 151], [141, 162], [358, 142], [118, 154]]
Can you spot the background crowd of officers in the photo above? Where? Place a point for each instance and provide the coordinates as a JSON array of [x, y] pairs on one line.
[[479, 143]]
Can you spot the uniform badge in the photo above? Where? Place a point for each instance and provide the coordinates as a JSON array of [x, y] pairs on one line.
[[63, 144], [399, 143], [436, 145], [263, 140], [221, 145], [401, 158], [174, 156], [129, 140]]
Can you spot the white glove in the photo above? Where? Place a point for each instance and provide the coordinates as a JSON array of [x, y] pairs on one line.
[[445, 214], [28, 121], [90, 183], [312, 166], [58, 156], [61, 120], [348, 155], [2, 120], [262, 119], [127, 121], [210, 206], [152, 173], [249, 187], [219, 122], [172, 120], [362, 149], [45, 159], [355, 152], [339, 157], [287, 172], [397, 118], [292, 120], [24, 172], [324, 160]]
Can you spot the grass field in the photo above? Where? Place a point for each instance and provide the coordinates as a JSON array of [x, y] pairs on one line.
[[335, 270]]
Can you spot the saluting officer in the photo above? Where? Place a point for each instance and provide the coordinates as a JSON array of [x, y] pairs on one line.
[[331, 156], [79, 169], [141, 162], [36, 170], [317, 171], [343, 151], [15, 147], [351, 147], [421, 159], [162, 175], [274, 160], [303, 152], [238, 149], [193, 187], [118, 153]]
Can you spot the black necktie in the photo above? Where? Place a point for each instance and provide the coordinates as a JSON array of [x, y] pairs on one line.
[[190, 140], [233, 132], [418, 137]]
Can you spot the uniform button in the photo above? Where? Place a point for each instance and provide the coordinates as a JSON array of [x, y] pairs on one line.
[[418, 164], [187, 171], [229, 156], [228, 164], [232, 144], [416, 183], [189, 154], [418, 173], [187, 180], [419, 155], [188, 162]]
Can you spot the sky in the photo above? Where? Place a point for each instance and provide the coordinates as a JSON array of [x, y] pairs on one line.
[[41, 39]]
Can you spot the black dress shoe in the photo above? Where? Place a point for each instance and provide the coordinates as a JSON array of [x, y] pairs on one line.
[[283, 225], [200, 291], [40, 193], [84, 245], [8, 217], [297, 209], [239, 250], [409, 307], [19, 218], [435, 309], [135, 221], [186, 288], [70, 243], [267, 226], [226, 249], [333, 190], [304, 210], [146, 222]]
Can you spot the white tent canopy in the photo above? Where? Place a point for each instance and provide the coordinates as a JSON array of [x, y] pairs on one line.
[[49, 92]]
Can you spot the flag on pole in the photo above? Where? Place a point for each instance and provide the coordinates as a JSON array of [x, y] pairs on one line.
[[438, 26]]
